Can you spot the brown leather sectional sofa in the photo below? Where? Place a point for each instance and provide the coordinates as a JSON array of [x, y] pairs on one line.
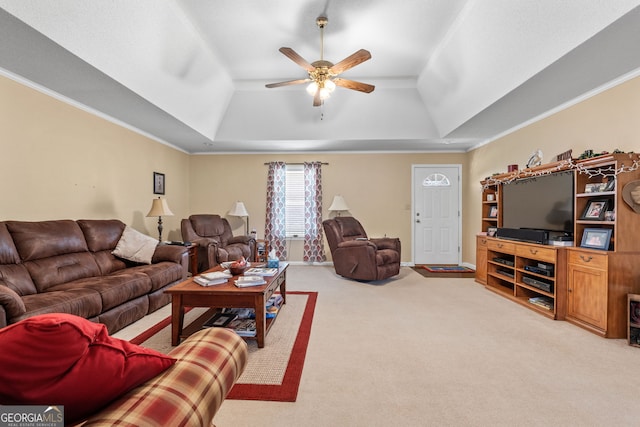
[[66, 266]]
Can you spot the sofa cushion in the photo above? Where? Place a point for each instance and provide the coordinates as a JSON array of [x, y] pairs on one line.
[[135, 246], [52, 271], [73, 362], [114, 289], [160, 274], [80, 302], [101, 234], [43, 239]]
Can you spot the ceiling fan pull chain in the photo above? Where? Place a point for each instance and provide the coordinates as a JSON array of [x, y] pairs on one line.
[[322, 42]]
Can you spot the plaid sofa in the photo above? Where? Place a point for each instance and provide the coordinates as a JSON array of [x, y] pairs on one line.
[[187, 394]]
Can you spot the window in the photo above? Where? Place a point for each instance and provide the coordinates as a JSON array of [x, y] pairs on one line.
[[294, 204], [436, 180]]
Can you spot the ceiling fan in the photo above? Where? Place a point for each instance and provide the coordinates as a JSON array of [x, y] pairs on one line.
[[322, 73]]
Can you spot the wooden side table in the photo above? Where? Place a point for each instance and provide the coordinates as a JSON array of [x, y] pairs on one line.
[[193, 258], [262, 251]]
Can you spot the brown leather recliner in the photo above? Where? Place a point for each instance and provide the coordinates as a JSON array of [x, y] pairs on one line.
[[357, 257], [215, 240]]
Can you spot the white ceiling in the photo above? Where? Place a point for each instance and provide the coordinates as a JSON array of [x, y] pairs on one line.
[[449, 74]]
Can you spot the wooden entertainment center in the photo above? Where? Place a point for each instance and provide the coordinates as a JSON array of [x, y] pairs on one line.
[[585, 286]]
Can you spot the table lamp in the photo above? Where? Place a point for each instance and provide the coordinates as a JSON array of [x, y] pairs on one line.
[[238, 209], [338, 205], [159, 208]]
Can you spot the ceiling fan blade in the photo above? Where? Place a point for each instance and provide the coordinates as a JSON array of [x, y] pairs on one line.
[[288, 83], [317, 101], [350, 62], [292, 55], [351, 84]]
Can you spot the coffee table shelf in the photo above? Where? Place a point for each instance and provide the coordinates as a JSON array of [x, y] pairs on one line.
[[227, 295], [197, 324]]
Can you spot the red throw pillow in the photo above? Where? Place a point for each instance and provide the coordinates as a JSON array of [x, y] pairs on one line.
[[61, 359]]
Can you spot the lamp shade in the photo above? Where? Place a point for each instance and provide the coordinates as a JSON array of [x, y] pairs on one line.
[[159, 207], [238, 209], [338, 204]]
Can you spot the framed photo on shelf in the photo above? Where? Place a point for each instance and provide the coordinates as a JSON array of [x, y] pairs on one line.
[[493, 212], [594, 187], [491, 231], [595, 210], [596, 238], [158, 183], [610, 185]]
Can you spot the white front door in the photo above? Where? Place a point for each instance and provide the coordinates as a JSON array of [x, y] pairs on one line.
[[436, 214]]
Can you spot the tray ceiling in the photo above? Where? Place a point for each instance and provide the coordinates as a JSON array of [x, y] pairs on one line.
[[449, 74]]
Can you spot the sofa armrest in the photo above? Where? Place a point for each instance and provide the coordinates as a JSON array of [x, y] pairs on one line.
[[188, 393], [172, 253], [12, 304]]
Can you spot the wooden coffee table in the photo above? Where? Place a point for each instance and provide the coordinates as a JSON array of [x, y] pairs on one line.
[[226, 295]]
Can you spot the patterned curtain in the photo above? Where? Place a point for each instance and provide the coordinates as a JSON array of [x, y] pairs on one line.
[[313, 245], [275, 232]]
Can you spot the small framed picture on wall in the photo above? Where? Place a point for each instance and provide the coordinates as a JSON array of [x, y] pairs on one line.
[[158, 183]]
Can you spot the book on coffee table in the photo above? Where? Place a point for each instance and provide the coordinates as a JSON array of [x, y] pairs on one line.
[[261, 271], [246, 281], [213, 278]]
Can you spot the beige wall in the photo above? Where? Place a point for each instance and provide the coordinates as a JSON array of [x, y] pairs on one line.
[[603, 122], [61, 162]]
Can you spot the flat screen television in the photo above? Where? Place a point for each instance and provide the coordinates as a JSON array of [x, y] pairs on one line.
[[541, 203]]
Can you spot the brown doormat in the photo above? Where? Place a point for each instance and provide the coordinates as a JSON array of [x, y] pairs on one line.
[[447, 269], [460, 273]]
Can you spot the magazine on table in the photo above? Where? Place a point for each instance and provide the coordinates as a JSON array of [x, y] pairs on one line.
[[261, 271], [245, 281], [243, 327], [220, 320]]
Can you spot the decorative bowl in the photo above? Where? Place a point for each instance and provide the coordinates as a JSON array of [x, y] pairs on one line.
[[237, 270]]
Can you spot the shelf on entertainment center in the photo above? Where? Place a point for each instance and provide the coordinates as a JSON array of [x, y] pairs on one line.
[[508, 264]]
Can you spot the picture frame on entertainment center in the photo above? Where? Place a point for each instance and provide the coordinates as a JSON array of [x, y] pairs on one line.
[[596, 238], [595, 210], [493, 212]]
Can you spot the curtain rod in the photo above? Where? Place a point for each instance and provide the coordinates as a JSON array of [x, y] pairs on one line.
[[322, 163]]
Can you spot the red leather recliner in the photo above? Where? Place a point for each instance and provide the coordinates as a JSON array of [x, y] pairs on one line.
[[357, 257]]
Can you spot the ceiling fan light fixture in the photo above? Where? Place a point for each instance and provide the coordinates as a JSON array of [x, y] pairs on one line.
[[324, 93], [329, 85], [312, 88]]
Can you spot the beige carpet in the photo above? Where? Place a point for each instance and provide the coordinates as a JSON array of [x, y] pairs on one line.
[[267, 365], [419, 351]]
